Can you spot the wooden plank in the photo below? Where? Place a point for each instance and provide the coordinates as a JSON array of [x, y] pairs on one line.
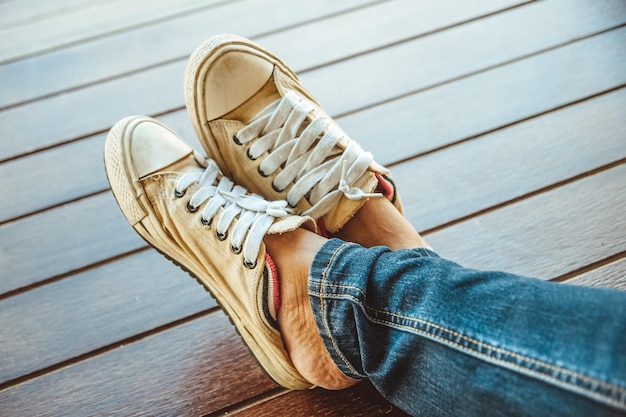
[[80, 234], [171, 373], [77, 167], [507, 164], [190, 370], [460, 188], [97, 308], [478, 104], [135, 374], [547, 235], [158, 90], [64, 173], [476, 46], [410, 125], [360, 400], [398, 21], [15, 13], [612, 275], [88, 107], [587, 136], [345, 30], [96, 19]]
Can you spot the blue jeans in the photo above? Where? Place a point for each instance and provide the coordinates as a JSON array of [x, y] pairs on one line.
[[437, 339]]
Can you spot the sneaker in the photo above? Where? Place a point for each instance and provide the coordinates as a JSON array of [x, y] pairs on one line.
[[183, 206], [267, 133]]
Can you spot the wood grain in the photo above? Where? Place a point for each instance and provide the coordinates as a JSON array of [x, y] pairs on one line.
[[159, 89], [611, 275], [478, 104], [476, 46], [190, 370], [560, 201], [16, 13], [62, 240], [502, 120], [576, 210], [344, 31], [508, 96], [65, 173], [94, 309], [361, 400], [580, 138], [490, 170], [92, 20], [156, 44], [547, 235]]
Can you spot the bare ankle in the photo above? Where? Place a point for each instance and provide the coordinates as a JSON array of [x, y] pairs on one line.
[[292, 254], [379, 223]]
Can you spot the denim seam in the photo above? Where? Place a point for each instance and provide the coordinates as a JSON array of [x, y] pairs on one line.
[[621, 392], [541, 375], [323, 315]]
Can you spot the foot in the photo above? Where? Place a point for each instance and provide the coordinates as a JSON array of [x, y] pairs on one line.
[[378, 223], [266, 132], [293, 253], [183, 206]]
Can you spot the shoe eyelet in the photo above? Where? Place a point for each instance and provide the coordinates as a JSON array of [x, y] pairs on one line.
[[249, 265], [205, 222], [236, 140], [292, 206], [235, 249], [190, 208], [263, 174], [278, 190], [178, 194], [250, 157], [221, 236]]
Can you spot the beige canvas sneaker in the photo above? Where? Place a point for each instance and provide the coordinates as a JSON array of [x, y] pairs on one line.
[[267, 133], [183, 206]]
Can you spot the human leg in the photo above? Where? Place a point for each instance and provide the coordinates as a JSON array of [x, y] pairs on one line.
[[484, 332], [293, 254], [269, 134], [183, 206], [361, 177], [438, 339]]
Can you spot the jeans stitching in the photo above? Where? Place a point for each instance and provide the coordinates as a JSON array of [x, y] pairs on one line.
[[323, 316], [541, 375], [503, 351], [621, 392]]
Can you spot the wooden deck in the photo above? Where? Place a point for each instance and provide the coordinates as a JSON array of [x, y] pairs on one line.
[[503, 121]]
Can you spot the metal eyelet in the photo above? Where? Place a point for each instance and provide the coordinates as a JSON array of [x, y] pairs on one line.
[[276, 188], [235, 249], [205, 222], [236, 140], [221, 236], [263, 174], [179, 194], [250, 157], [249, 265], [190, 208]]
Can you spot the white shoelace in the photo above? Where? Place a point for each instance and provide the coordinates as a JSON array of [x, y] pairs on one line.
[[320, 170], [255, 214]]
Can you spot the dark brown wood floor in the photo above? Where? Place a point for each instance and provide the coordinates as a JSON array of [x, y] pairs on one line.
[[503, 122]]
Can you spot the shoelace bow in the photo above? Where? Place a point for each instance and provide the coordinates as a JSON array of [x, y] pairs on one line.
[[255, 214], [309, 155]]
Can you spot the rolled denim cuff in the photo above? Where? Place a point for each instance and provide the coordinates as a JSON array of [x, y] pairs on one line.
[[337, 285]]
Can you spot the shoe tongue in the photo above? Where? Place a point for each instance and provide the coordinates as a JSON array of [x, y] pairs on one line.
[[339, 215], [290, 223], [255, 104], [157, 147]]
